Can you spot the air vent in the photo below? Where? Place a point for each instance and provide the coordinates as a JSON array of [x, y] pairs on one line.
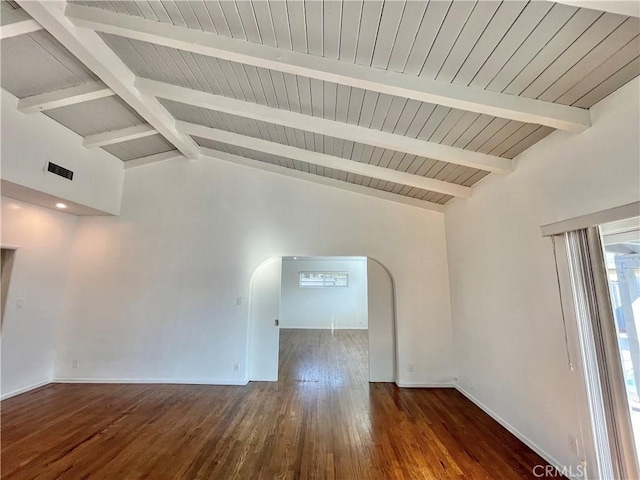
[[61, 171]]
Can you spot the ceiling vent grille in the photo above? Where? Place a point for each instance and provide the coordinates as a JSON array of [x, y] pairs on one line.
[[61, 171]]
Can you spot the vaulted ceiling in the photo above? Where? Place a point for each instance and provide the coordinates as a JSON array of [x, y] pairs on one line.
[[415, 99]]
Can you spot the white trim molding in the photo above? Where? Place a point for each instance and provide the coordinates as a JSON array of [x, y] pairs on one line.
[[22, 390], [514, 431], [424, 385], [166, 381], [592, 219]]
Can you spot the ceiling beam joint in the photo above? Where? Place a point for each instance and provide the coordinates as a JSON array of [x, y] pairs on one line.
[[118, 136], [64, 97], [17, 22], [88, 47]]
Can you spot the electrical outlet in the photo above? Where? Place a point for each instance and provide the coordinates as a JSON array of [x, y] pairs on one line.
[[573, 445], [76, 364], [410, 367], [238, 301], [236, 367]]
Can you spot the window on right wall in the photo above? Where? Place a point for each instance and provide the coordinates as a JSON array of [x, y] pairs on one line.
[[604, 268], [621, 245]]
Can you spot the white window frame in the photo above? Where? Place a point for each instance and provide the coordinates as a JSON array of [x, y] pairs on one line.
[[324, 279]]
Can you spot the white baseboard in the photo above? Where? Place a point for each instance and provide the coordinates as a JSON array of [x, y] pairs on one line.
[[424, 385], [26, 389], [170, 381], [523, 438], [322, 327]]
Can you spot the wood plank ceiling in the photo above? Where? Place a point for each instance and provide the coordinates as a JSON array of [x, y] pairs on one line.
[[555, 53]]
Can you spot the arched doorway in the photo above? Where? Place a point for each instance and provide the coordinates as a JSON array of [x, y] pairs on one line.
[[263, 330]]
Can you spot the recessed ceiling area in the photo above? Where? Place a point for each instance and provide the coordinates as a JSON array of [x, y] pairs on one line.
[[420, 100], [25, 194]]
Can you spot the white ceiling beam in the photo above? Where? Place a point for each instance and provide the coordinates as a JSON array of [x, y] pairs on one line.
[[324, 160], [91, 50], [629, 8], [331, 128], [318, 179], [118, 136], [64, 97], [151, 159], [17, 22], [392, 83]]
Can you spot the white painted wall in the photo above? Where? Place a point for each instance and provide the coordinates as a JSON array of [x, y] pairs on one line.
[[508, 329], [39, 273], [339, 307], [382, 344], [152, 293], [29, 142]]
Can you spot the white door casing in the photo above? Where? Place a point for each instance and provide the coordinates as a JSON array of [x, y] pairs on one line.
[[264, 310]]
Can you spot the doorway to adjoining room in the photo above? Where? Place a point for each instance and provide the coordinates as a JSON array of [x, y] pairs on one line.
[[324, 321], [351, 299]]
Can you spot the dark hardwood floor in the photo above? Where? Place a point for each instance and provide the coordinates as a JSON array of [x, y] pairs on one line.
[[321, 420]]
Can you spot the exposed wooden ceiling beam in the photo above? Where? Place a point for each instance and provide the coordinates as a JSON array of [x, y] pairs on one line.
[[629, 8], [17, 22], [91, 50], [118, 136], [331, 128], [318, 179], [151, 159], [418, 88], [323, 160], [64, 97]]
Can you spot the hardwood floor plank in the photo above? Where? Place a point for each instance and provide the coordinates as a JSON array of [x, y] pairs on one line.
[[321, 420]]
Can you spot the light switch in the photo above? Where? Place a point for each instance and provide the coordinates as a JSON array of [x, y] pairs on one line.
[[19, 302]]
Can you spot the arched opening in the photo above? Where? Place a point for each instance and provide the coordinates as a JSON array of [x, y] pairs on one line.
[[264, 311], [263, 332]]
